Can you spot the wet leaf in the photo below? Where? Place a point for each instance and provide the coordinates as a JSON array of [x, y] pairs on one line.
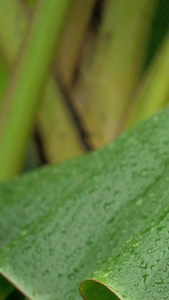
[[104, 214]]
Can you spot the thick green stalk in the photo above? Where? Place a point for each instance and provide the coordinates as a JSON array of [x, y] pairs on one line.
[[153, 94], [108, 85], [20, 105], [72, 38], [53, 115]]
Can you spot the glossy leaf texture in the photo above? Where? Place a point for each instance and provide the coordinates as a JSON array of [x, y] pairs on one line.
[[104, 214]]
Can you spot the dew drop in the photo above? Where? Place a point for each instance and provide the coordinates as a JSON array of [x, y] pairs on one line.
[[107, 206], [38, 249], [139, 202], [150, 250], [71, 276], [159, 281]]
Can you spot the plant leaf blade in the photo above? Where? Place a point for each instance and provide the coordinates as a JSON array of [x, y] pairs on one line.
[[59, 225]]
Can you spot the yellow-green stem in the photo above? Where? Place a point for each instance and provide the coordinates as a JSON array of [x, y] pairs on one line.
[[21, 102], [108, 85], [72, 40], [3, 78], [153, 93], [59, 134]]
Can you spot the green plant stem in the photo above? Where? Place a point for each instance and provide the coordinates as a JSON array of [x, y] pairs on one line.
[[14, 18], [53, 116], [31, 2], [153, 94], [3, 77], [21, 103], [72, 39], [108, 85], [57, 130]]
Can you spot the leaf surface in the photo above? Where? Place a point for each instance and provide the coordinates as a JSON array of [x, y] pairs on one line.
[[92, 215]]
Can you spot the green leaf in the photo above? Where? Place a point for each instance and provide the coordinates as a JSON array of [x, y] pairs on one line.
[[140, 269], [63, 223]]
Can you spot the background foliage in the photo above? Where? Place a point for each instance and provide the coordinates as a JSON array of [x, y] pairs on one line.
[[73, 76]]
